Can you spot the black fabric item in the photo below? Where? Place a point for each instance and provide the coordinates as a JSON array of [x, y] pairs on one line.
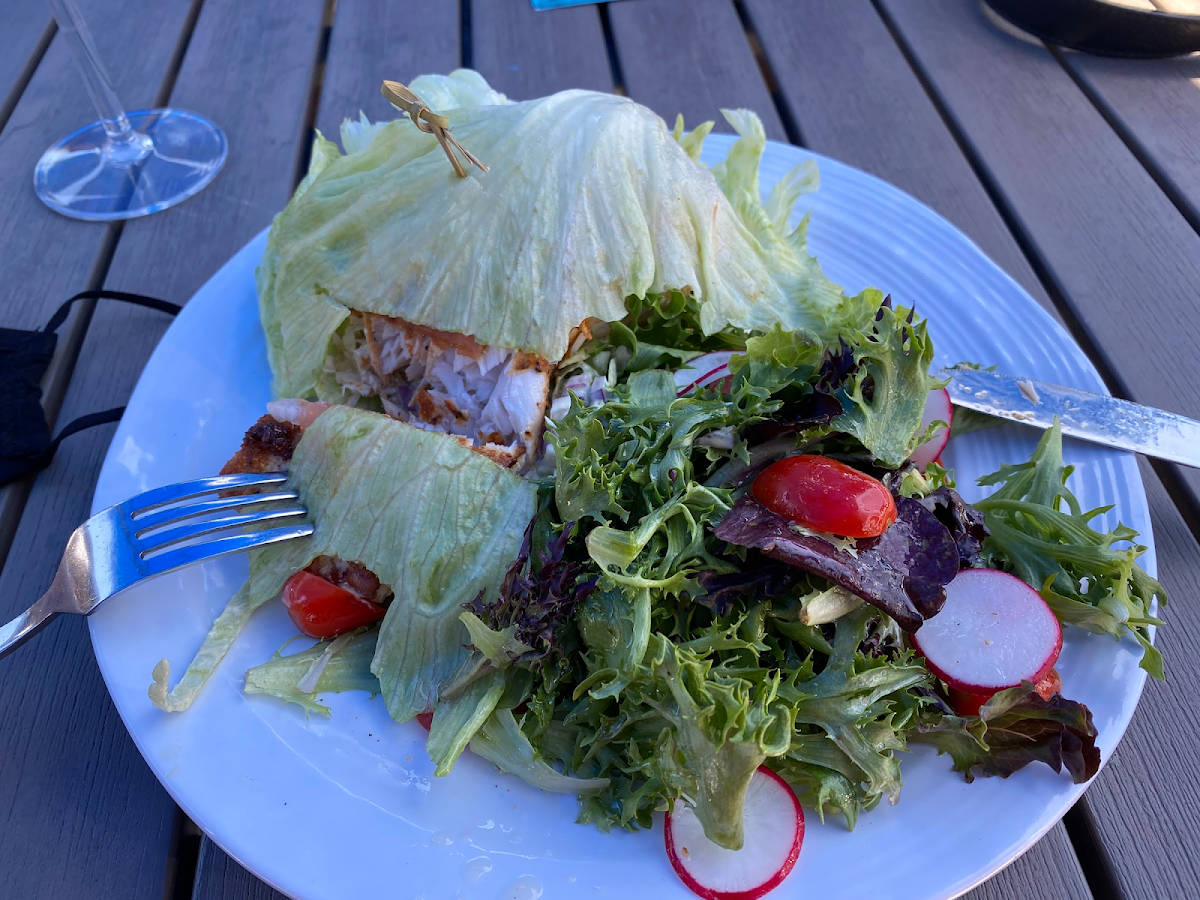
[[24, 358], [25, 444], [12, 469], [1103, 28]]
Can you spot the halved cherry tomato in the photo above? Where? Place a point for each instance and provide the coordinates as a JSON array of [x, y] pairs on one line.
[[826, 495], [323, 610]]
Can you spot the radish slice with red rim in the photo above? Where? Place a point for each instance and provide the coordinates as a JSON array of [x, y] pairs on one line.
[[703, 370], [773, 824], [994, 632], [937, 409]]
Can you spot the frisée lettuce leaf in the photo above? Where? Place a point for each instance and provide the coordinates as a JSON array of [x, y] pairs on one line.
[[1090, 578]]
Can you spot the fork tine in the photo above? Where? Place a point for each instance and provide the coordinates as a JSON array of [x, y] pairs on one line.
[[172, 493], [161, 517], [193, 553], [171, 536]]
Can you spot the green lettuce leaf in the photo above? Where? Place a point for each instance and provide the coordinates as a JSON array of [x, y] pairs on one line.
[[614, 623], [1090, 578], [347, 670], [434, 521], [855, 701], [822, 309], [722, 727], [457, 720], [501, 742], [885, 397]]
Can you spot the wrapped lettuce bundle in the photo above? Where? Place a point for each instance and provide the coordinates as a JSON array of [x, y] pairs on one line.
[[391, 283], [433, 521]]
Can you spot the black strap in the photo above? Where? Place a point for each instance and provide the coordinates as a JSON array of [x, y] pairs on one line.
[[25, 443], [60, 314], [88, 421]]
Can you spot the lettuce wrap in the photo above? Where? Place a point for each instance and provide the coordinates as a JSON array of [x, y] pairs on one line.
[[434, 521], [589, 200]]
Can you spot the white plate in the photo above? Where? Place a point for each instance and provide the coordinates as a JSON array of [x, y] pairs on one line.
[[348, 807]]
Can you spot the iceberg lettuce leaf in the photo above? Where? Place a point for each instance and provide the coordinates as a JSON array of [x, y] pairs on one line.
[[609, 205], [347, 670], [433, 520]]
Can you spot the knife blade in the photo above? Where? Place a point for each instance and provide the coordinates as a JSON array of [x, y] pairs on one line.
[[1084, 415]]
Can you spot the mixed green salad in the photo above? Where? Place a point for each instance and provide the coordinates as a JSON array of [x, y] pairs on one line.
[[716, 555]]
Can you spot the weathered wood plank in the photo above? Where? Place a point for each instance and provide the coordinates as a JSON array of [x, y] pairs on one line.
[[528, 54], [690, 57], [73, 787], [1049, 870], [220, 878], [27, 27], [377, 39], [854, 97], [1109, 241], [48, 257], [66, 746], [1155, 106], [1138, 808]]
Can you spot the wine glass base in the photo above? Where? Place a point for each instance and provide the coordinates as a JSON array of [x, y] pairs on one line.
[[172, 155]]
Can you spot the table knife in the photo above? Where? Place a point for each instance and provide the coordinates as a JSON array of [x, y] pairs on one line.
[[1084, 415]]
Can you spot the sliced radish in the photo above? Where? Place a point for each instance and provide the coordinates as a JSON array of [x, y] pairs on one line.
[[937, 409], [994, 632], [703, 370], [773, 824]]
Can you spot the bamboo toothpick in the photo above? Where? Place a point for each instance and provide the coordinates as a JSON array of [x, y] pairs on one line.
[[431, 123]]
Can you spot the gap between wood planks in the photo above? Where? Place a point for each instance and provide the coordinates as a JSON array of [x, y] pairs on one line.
[[790, 127], [315, 84], [610, 47], [26, 73], [466, 47]]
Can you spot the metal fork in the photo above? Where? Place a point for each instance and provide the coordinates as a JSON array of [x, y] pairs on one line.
[[132, 541]]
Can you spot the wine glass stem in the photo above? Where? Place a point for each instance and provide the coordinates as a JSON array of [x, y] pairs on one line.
[[123, 140]]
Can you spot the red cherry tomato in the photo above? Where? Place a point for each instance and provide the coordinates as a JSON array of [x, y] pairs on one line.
[[323, 610], [826, 495]]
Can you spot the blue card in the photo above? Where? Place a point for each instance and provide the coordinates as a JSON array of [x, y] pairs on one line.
[[559, 4]]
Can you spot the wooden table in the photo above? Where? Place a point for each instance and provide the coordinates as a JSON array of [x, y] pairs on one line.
[[1080, 176]]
